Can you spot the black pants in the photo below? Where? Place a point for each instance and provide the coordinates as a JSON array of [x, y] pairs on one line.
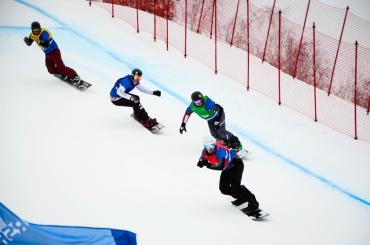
[[139, 111], [221, 133], [230, 182]]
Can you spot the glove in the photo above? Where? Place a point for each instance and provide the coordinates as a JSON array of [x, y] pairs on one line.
[[157, 93], [201, 163], [135, 98], [182, 128], [27, 40]]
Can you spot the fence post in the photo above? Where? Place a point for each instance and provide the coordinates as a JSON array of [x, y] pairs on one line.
[[268, 32], [236, 16], [300, 42], [168, 10], [314, 68], [336, 56], [213, 12], [137, 16], [155, 23], [200, 17], [186, 25], [248, 51], [112, 8], [355, 95], [215, 2], [279, 55]]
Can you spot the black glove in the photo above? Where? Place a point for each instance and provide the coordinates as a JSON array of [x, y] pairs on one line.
[[182, 128], [28, 41], [157, 93], [135, 98], [202, 162]]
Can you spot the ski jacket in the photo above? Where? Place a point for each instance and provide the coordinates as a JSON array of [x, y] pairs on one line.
[[220, 159], [44, 40], [124, 86], [208, 111]]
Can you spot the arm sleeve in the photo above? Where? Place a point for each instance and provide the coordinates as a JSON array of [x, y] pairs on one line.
[[45, 39], [121, 92], [187, 114], [144, 89]]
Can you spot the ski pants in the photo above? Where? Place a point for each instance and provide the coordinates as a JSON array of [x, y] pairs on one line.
[[139, 112], [55, 65], [230, 182], [220, 132]]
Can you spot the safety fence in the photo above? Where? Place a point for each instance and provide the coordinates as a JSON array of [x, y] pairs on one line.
[[322, 53]]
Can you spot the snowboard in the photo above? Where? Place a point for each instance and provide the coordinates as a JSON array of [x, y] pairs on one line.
[[242, 153], [154, 130], [258, 214], [83, 86]]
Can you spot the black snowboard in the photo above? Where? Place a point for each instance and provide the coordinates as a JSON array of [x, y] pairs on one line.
[[154, 130], [83, 85]]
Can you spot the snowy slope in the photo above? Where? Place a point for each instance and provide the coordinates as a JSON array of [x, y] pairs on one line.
[[72, 158]]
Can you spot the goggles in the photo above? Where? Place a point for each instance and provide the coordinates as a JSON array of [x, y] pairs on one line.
[[198, 102]]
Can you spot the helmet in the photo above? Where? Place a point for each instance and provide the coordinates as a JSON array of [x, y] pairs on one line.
[[137, 71], [196, 96], [209, 143], [35, 25]]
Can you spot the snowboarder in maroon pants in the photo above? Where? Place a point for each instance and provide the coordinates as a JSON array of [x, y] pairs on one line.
[[53, 58]]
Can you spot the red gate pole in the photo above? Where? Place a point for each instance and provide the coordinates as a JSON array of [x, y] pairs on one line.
[[155, 23], [300, 42], [186, 23], [368, 106], [355, 95], [215, 36], [236, 16], [268, 32], [314, 68], [168, 10], [137, 16], [279, 55], [90, 3], [112, 8], [336, 56], [200, 17], [213, 11], [248, 44]]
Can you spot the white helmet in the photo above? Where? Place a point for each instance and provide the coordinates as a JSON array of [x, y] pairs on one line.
[[209, 143]]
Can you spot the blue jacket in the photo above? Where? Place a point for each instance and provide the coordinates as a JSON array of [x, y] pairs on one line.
[[125, 84], [221, 159]]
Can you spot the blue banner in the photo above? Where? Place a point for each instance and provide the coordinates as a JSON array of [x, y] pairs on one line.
[[14, 230]]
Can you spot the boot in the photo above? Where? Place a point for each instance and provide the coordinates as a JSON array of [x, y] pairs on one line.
[[253, 205], [153, 122], [235, 144]]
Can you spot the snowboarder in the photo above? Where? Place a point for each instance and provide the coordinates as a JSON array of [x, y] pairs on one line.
[[120, 96], [214, 114], [217, 156], [53, 58]]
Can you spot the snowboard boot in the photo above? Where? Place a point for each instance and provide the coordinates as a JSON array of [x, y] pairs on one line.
[[152, 122], [235, 144], [147, 123], [253, 206], [77, 81]]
